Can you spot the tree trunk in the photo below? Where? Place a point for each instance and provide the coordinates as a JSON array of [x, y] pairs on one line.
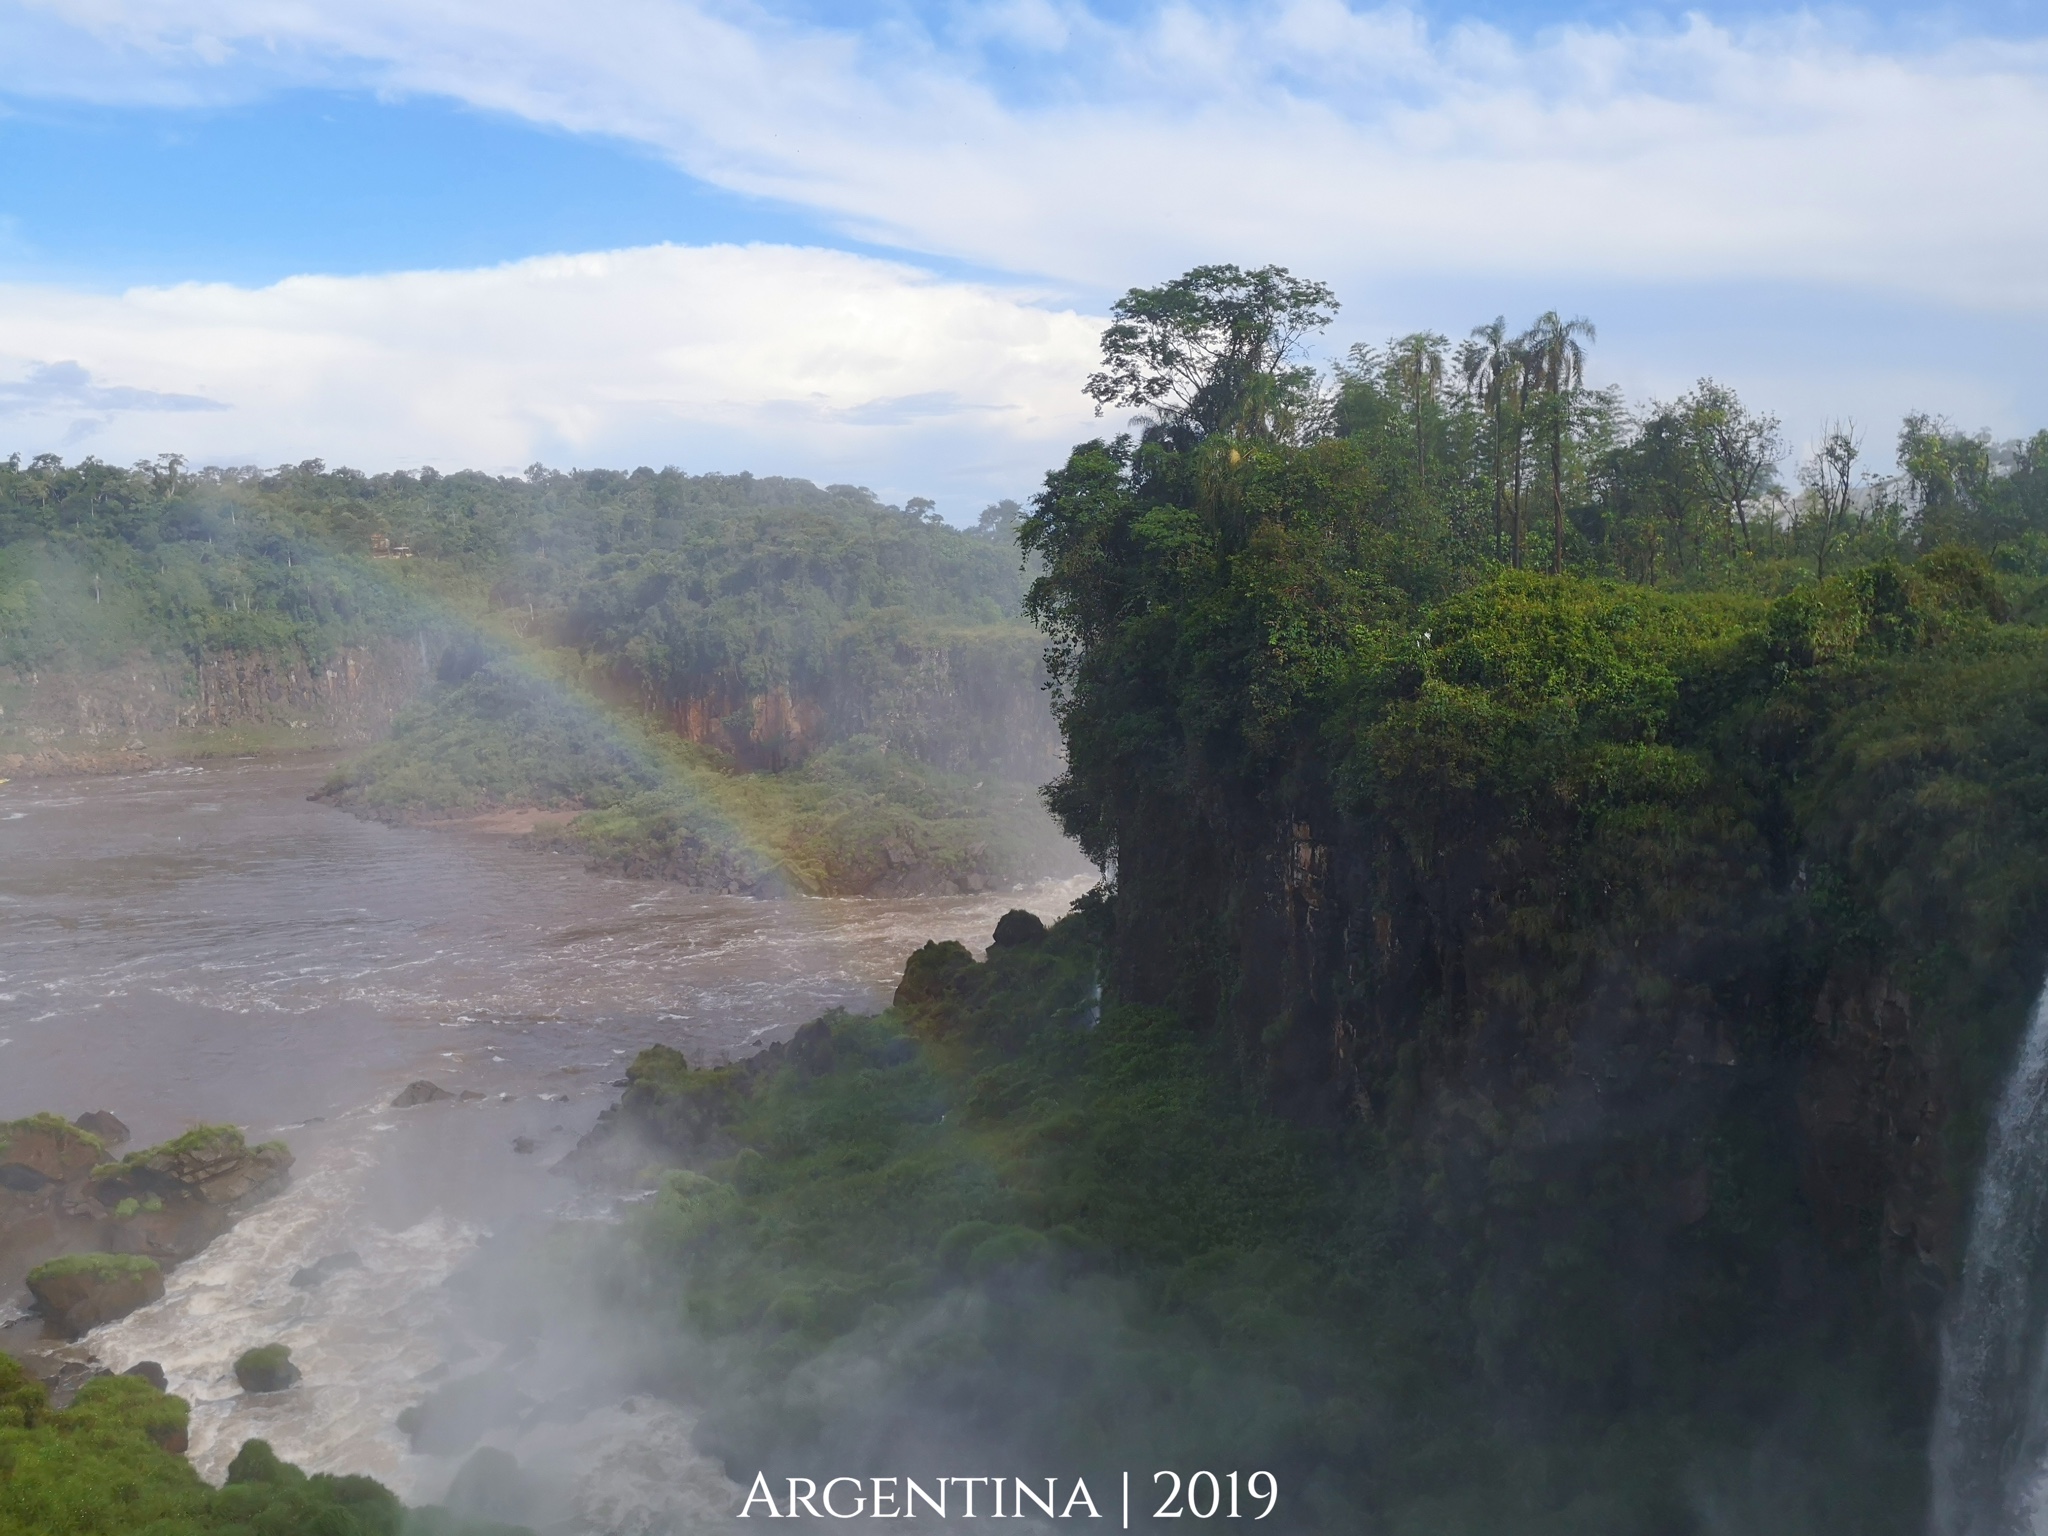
[[1557, 494]]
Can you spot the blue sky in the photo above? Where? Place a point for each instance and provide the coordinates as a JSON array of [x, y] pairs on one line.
[[874, 242]]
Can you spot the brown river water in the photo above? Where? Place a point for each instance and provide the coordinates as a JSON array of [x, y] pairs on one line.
[[203, 944]]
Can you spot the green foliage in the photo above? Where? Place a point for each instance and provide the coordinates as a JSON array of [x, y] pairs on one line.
[[1612, 931], [101, 1266], [500, 737], [100, 1467], [54, 1125], [199, 1141], [265, 1359]]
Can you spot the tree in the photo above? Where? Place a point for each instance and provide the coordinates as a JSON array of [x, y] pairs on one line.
[[1488, 362], [1739, 449], [1417, 364], [1216, 350], [1557, 356], [1951, 479], [999, 522], [1828, 478]]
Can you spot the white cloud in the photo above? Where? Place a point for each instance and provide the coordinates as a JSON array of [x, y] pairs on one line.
[[1358, 144], [769, 358]]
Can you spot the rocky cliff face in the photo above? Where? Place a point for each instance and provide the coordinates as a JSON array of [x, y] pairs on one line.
[[1875, 1098], [351, 695], [965, 708]]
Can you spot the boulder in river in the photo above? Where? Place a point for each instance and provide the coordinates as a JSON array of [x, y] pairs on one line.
[[150, 1372], [321, 1270], [213, 1164], [44, 1150], [83, 1290], [105, 1125], [267, 1368], [420, 1092], [169, 1201]]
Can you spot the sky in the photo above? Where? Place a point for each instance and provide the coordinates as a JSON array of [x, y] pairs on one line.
[[877, 243]]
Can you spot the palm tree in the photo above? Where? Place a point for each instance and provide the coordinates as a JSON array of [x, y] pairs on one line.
[[1487, 362], [1557, 357], [1417, 362]]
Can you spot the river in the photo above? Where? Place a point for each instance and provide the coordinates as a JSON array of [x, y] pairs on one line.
[[201, 943]]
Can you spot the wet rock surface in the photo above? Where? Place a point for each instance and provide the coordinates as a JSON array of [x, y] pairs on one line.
[[83, 1290], [64, 1198], [111, 1131], [420, 1092]]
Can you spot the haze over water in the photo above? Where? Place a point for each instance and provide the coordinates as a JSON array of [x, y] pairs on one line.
[[203, 944]]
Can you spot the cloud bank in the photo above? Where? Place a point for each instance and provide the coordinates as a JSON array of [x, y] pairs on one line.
[[806, 362], [1356, 143]]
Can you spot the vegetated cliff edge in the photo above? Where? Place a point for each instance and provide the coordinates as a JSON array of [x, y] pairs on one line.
[[1526, 1075]]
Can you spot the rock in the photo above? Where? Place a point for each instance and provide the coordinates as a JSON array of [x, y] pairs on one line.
[[84, 1290], [933, 976], [267, 1368], [420, 1092], [468, 1095], [44, 1150], [150, 1372], [212, 1164], [101, 1123], [522, 1143], [320, 1271], [1018, 927]]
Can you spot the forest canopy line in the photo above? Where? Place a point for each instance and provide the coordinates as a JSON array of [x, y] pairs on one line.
[[748, 683], [1499, 440]]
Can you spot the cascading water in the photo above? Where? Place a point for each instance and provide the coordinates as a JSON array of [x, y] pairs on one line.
[[1989, 1451]]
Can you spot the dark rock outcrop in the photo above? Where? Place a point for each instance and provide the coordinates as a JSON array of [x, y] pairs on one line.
[[150, 1372], [1018, 926], [83, 1290], [105, 1125], [420, 1092]]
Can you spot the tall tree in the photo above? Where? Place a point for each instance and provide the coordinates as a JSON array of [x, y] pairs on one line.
[[1556, 348], [1829, 502], [1487, 361], [1417, 364], [1216, 350], [1740, 449]]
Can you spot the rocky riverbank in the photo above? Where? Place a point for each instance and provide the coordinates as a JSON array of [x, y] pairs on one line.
[[90, 1235]]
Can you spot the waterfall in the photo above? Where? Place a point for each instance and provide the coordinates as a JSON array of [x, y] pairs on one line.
[[1989, 1448]]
